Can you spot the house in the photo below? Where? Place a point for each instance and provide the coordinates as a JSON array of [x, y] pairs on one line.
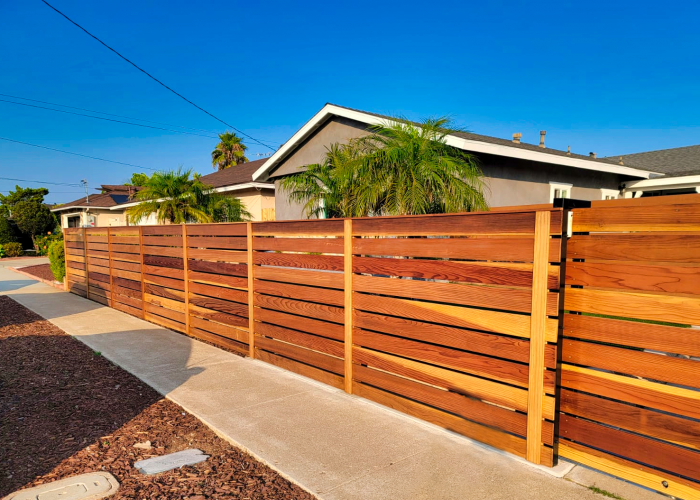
[[108, 208], [516, 173], [680, 166], [97, 210]]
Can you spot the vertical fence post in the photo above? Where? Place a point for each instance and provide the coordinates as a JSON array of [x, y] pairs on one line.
[[347, 275], [185, 270], [538, 323], [87, 273], [109, 264], [143, 285], [251, 293]]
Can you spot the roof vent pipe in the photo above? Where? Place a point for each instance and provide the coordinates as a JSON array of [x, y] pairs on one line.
[[592, 154], [568, 150], [621, 162], [542, 134], [516, 137]]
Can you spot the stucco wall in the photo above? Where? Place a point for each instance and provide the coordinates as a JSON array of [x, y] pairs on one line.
[[103, 218], [286, 209], [255, 201]]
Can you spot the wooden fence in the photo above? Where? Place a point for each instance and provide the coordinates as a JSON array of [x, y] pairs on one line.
[[450, 318], [457, 319], [630, 373]]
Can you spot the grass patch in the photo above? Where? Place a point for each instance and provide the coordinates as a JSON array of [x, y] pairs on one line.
[[600, 491]]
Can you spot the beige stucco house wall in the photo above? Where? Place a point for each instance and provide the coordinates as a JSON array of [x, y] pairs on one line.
[[260, 203], [100, 218]]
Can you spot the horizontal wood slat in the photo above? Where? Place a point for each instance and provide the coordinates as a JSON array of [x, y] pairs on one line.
[[643, 247], [660, 218]]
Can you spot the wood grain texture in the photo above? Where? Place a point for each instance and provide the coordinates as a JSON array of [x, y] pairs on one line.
[[632, 418], [538, 338], [307, 371], [218, 279], [218, 340], [218, 229], [474, 364], [491, 274], [477, 319], [308, 325], [237, 334], [321, 262], [486, 390], [163, 251], [347, 300], [309, 309], [661, 218], [169, 229], [324, 227], [236, 256], [654, 307], [173, 241], [313, 342], [671, 279], [219, 268], [317, 245], [452, 402], [223, 242], [135, 285], [676, 400], [507, 299], [218, 316], [630, 471], [488, 435], [512, 348], [168, 262], [306, 356], [633, 362], [165, 272], [681, 461], [632, 333], [224, 306], [175, 284], [641, 247], [228, 294], [300, 292], [515, 249], [447, 225], [301, 277]]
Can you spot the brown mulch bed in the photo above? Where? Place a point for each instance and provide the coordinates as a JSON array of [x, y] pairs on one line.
[[66, 410], [42, 271]]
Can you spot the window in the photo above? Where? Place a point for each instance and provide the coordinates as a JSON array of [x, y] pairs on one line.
[[559, 190], [609, 194]]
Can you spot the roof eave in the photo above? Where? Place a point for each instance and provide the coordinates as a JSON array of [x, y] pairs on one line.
[[263, 173]]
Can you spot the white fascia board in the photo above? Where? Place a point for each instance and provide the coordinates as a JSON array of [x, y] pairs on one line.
[[458, 142], [663, 183], [60, 209], [241, 187]]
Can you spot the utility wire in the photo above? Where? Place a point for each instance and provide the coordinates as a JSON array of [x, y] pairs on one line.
[[154, 78], [107, 119], [40, 182], [76, 154], [108, 114]]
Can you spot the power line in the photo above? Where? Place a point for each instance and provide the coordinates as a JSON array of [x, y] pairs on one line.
[[40, 182], [77, 154], [108, 114], [107, 119], [154, 78]]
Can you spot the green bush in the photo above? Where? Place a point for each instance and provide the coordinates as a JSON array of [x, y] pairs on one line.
[[2, 252], [42, 242], [13, 249], [57, 258], [8, 231]]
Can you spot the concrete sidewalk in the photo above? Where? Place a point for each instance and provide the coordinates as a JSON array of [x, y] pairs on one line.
[[335, 445]]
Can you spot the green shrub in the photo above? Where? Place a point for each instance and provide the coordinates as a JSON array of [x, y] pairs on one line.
[[13, 249], [2, 252], [57, 258], [42, 242], [8, 231]]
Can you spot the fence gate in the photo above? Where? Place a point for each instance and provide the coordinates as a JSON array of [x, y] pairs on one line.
[[630, 372]]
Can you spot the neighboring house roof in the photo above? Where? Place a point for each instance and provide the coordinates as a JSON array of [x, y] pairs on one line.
[[463, 140], [235, 175], [675, 162], [105, 201]]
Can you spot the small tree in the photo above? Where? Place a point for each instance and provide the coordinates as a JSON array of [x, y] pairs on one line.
[[8, 231], [33, 218], [20, 194], [230, 151], [137, 179]]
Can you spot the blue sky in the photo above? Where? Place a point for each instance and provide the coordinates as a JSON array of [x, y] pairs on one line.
[[610, 77]]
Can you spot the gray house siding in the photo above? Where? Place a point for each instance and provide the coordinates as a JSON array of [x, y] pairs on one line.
[[509, 181]]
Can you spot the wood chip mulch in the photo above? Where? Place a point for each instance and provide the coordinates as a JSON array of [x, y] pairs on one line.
[[42, 271], [66, 410]]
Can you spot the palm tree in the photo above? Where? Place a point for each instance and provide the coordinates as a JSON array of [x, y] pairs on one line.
[[176, 198], [400, 168], [230, 151]]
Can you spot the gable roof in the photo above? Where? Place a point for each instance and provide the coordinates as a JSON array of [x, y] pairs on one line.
[[463, 140], [674, 162], [235, 175]]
